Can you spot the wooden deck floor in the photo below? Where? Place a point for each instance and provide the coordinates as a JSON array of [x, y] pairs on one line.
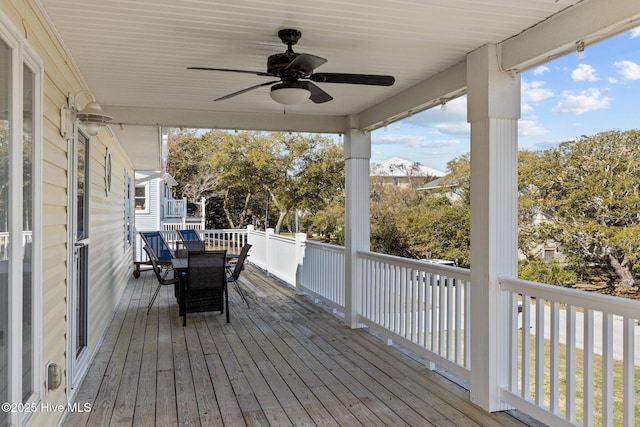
[[283, 361]]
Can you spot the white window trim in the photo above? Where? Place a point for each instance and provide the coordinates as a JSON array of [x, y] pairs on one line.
[[146, 198], [23, 54]]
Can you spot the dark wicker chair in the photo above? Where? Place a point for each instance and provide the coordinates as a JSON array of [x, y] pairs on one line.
[[162, 280], [235, 275], [206, 285]]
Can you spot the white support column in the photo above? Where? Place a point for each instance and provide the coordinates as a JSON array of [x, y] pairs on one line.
[[301, 243], [493, 111], [357, 152], [268, 255]]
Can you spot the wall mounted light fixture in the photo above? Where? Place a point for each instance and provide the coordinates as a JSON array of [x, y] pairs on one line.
[[91, 116]]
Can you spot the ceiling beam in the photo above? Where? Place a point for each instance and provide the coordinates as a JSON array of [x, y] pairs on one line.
[[435, 90], [588, 21], [203, 119]]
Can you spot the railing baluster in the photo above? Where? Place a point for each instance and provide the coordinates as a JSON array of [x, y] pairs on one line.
[[450, 317], [607, 370], [554, 368], [513, 344], [539, 356], [458, 321], [628, 372], [434, 312], [570, 409], [587, 380], [526, 347]]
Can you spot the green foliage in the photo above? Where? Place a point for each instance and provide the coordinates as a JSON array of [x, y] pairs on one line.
[[553, 273], [256, 174], [328, 222], [439, 228], [387, 238], [588, 192], [411, 224]]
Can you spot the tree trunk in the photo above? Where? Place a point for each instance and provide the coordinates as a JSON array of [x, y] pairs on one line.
[[245, 208], [280, 221], [622, 271], [225, 207]]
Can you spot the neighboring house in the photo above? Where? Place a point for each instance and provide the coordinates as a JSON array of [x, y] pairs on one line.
[[443, 186], [156, 209], [403, 172]]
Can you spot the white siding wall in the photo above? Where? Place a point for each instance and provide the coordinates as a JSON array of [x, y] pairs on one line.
[[150, 221], [109, 263]]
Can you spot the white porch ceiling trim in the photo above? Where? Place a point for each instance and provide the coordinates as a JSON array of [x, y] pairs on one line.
[[167, 117], [589, 21]]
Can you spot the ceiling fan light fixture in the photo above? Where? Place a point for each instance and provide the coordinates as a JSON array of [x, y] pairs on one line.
[[288, 94]]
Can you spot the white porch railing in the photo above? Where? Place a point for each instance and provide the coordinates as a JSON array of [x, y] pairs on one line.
[[175, 208], [568, 349], [420, 306], [27, 237], [322, 275], [231, 240]]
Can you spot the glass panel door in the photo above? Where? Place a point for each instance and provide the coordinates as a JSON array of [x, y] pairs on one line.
[[80, 298], [27, 233], [5, 91]]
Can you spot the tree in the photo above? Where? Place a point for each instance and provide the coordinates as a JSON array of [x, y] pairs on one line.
[[411, 224], [439, 228], [589, 191], [294, 171], [307, 172], [189, 162]]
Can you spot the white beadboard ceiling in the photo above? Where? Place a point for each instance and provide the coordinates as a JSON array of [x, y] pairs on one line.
[[133, 54]]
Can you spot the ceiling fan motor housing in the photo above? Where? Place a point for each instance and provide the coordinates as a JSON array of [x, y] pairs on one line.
[[280, 61]]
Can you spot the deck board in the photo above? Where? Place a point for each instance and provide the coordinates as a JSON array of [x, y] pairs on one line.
[[284, 361]]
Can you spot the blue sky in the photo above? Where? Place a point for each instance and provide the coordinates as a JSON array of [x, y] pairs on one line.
[[561, 100]]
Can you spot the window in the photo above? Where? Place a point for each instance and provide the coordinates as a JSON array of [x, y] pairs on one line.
[[142, 198], [128, 210], [20, 242]]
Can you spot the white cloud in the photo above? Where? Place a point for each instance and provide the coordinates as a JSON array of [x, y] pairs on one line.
[[453, 121], [628, 69], [612, 80], [531, 127], [538, 71], [584, 73], [534, 91], [526, 108], [635, 33], [583, 102]]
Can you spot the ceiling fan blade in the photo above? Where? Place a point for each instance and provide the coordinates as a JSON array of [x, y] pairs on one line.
[[231, 95], [354, 79], [318, 95], [306, 63], [256, 73]]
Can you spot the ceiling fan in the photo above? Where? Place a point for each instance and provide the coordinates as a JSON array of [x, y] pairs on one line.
[[296, 74]]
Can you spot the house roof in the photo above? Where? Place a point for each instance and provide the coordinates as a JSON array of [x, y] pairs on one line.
[[145, 176], [133, 56], [399, 167]]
